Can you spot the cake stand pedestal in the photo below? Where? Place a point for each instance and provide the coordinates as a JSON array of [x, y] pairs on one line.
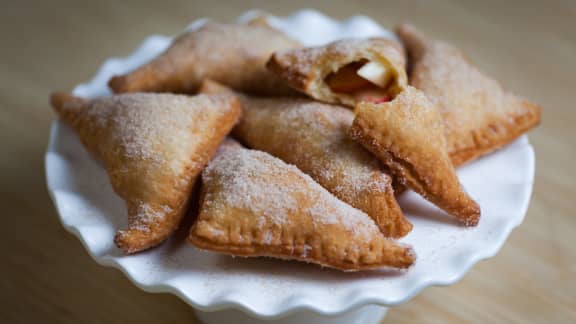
[[370, 314]]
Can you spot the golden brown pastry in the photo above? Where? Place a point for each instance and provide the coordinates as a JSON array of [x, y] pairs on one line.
[[479, 116], [153, 147], [313, 137], [231, 54], [346, 71], [253, 204], [407, 134]]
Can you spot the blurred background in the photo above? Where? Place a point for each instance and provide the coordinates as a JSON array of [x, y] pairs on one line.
[[530, 46]]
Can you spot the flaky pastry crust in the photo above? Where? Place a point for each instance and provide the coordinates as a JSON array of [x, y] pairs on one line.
[[232, 54], [305, 69], [313, 137], [479, 116], [253, 204], [153, 147], [407, 134]]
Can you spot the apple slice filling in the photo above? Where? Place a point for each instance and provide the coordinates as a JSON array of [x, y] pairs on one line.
[[364, 80]]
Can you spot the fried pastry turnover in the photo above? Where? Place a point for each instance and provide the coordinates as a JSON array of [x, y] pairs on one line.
[[346, 71], [313, 136], [407, 134], [232, 54], [479, 116], [253, 204], [153, 147]]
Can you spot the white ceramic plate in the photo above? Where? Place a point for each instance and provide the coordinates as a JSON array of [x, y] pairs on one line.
[[501, 183]]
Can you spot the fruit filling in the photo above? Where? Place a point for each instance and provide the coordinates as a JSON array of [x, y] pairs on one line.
[[364, 80]]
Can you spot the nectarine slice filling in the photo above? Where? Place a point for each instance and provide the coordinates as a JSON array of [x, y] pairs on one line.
[[364, 80]]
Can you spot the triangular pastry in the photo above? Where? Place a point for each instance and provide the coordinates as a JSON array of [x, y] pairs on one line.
[[232, 54], [346, 71], [479, 116], [153, 147], [407, 134], [253, 204], [313, 136]]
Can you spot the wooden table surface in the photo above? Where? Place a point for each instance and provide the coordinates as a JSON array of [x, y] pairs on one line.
[[46, 45]]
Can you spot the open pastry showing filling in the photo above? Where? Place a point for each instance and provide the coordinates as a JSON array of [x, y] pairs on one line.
[[345, 72], [365, 81]]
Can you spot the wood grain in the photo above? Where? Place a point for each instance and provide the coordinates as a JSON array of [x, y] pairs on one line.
[[47, 45]]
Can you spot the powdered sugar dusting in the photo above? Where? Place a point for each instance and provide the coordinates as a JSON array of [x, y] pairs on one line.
[[146, 214], [473, 105], [151, 127], [240, 171], [317, 142], [270, 189], [330, 210]]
